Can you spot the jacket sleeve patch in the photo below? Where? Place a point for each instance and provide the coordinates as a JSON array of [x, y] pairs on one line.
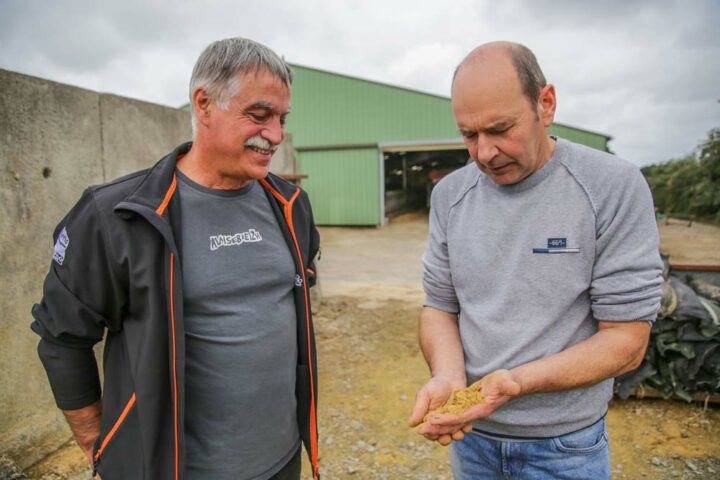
[[61, 245]]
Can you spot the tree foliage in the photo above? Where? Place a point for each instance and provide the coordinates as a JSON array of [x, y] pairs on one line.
[[689, 186]]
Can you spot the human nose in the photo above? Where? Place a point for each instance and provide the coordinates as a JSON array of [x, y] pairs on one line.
[[485, 149], [274, 132]]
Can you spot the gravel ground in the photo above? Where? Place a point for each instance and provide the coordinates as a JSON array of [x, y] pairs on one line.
[[370, 368]]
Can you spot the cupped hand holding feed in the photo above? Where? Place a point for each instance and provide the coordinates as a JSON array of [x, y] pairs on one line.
[[454, 418], [433, 395], [479, 400]]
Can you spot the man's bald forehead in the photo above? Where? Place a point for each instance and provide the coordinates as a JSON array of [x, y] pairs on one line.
[[499, 54], [487, 52]]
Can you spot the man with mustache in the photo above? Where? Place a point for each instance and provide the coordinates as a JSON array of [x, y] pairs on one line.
[[197, 270], [542, 277]]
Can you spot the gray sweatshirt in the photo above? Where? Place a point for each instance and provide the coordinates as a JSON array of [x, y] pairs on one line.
[[531, 268]]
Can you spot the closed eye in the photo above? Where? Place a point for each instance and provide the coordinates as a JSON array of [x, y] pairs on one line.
[[499, 129], [259, 117]]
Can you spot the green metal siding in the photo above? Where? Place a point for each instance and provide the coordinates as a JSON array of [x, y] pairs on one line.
[[343, 185], [332, 109], [584, 137]]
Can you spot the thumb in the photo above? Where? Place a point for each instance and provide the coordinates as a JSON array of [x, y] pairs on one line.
[[509, 387], [422, 400]]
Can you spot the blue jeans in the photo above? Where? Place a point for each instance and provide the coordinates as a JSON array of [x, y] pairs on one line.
[[584, 454]]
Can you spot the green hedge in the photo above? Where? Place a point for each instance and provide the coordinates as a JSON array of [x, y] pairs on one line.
[[689, 187]]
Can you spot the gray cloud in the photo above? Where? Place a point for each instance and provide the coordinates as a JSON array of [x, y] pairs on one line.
[[644, 72]]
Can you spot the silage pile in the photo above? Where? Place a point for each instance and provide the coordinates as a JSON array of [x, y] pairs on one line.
[[683, 357]]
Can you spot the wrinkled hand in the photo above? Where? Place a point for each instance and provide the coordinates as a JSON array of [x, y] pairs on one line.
[[497, 387], [433, 395]]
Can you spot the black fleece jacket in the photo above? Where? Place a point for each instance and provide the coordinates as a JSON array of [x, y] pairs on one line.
[[116, 269]]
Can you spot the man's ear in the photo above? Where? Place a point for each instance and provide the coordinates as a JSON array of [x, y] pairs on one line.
[[547, 103], [201, 103]]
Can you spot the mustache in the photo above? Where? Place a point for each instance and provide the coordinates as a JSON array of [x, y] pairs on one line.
[[260, 142]]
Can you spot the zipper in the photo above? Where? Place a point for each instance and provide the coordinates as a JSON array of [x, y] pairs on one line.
[[287, 211], [120, 420], [171, 294], [154, 217], [174, 364]]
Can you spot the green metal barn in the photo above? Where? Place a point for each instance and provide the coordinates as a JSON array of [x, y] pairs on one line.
[[367, 147], [370, 149]]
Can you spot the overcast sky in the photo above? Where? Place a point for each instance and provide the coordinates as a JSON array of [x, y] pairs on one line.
[[645, 72]]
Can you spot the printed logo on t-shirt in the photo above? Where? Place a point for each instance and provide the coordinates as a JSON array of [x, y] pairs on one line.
[[217, 241]]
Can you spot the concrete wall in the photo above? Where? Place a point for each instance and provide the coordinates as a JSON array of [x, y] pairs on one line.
[[136, 134], [54, 141]]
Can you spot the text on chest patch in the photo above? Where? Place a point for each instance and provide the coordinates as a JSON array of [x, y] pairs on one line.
[[217, 241]]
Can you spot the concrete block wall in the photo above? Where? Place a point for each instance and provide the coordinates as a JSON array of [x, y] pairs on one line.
[[55, 140], [136, 134]]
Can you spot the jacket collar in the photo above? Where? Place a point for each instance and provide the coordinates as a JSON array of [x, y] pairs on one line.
[[152, 191], [158, 186], [155, 199]]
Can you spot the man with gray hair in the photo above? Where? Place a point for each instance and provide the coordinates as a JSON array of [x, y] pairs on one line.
[[542, 277], [197, 272]]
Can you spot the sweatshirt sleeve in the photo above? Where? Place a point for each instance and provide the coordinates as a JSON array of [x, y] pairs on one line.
[[81, 297], [437, 277], [627, 275]]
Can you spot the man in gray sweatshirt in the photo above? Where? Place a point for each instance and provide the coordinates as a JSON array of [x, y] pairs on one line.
[[542, 277]]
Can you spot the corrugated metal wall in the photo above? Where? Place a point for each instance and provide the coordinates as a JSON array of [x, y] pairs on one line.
[[337, 122], [344, 186], [332, 109], [584, 137]]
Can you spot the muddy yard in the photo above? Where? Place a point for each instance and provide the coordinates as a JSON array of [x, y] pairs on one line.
[[370, 368]]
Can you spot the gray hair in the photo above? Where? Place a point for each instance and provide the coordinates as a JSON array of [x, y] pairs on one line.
[[222, 63], [531, 77]]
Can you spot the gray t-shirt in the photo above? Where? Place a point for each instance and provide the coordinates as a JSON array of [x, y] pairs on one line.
[[240, 324], [532, 267]]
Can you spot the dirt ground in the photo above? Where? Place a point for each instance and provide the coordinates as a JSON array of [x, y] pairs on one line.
[[368, 380], [690, 244], [370, 368]]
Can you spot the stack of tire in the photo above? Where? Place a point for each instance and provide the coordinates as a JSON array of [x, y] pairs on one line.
[[683, 357]]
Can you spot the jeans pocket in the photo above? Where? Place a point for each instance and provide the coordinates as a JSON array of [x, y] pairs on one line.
[[587, 440]]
